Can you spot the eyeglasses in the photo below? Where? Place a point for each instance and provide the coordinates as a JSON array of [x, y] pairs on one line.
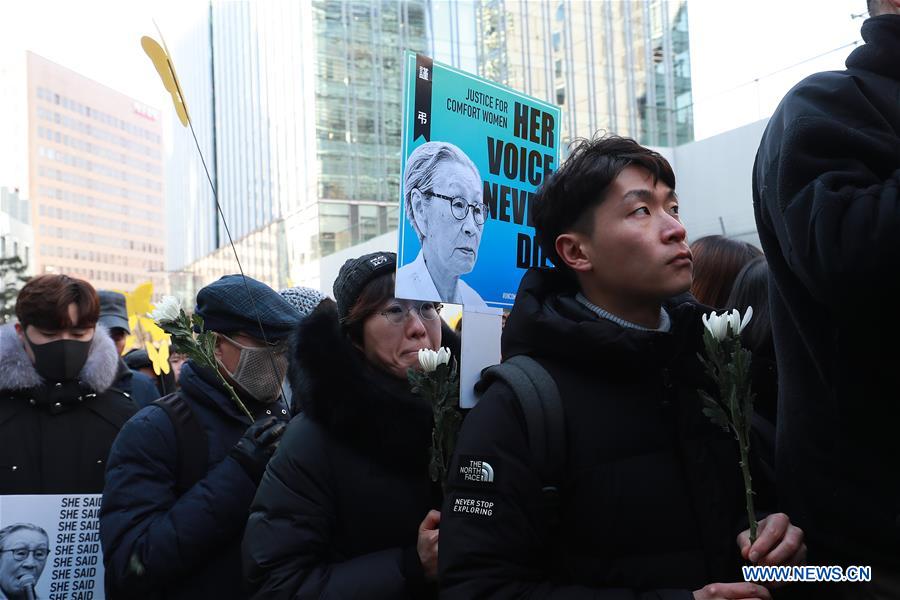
[[396, 314], [21, 554], [460, 207]]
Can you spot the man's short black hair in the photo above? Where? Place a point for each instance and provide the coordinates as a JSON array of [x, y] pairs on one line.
[[566, 200]]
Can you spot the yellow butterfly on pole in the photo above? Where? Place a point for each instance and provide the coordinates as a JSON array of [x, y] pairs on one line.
[[162, 60], [158, 358]]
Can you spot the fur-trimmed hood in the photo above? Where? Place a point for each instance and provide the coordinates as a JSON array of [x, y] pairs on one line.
[[18, 373], [363, 406]]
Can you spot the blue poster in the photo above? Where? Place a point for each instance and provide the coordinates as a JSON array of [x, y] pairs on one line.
[[473, 154]]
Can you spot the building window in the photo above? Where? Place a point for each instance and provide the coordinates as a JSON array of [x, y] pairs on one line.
[[561, 12], [558, 69], [560, 96], [557, 41]]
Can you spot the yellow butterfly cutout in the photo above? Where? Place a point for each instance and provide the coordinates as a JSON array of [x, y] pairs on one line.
[[130, 344], [156, 333], [166, 69], [137, 302], [158, 358]]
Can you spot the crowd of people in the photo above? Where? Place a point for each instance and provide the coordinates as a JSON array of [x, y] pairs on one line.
[[317, 484]]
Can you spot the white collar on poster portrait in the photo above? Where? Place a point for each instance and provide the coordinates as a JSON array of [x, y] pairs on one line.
[[414, 282]]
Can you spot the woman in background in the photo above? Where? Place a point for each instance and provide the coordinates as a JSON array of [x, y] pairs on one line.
[[717, 261]]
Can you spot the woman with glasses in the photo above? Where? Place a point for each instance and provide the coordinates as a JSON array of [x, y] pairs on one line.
[[346, 507], [23, 553], [443, 201]]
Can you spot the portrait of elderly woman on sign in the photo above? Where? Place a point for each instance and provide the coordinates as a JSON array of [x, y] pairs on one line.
[[24, 548], [444, 205]]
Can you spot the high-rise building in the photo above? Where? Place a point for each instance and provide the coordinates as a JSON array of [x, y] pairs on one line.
[[615, 66], [16, 235], [95, 180], [297, 108]]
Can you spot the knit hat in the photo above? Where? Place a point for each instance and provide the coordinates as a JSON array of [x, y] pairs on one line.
[[303, 299], [356, 273], [227, 308], [137, 359]]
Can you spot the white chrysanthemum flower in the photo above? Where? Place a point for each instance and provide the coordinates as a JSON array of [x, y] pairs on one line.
[[726, 324], [429, 359], [167, 310]]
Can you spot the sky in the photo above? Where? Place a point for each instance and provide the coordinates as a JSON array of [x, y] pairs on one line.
[[777, 42], [733, 43], [96, 38]]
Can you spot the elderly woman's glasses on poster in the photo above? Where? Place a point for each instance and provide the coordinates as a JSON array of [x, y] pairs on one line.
[[460, 207], [21, 554], [397, 314]]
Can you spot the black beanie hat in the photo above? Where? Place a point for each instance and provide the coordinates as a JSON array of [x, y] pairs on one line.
[[356, 273]]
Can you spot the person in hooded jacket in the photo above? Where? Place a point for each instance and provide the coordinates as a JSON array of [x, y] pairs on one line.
[[651, 501], [827, 207], [139, 362], [58, 413], [166, 535], [346, 507]]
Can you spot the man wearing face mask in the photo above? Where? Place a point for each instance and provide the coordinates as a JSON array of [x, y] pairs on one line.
[[58, 412], [171, 528]]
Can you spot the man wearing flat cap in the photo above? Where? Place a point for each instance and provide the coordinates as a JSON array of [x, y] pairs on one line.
[[182, 472], [114, 316]]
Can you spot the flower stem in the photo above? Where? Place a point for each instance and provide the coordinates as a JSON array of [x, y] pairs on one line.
[[748, 485], [235, 397]]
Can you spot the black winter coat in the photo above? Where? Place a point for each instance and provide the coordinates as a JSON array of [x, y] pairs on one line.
[[56, 439], [651, 499], [135, 385], [188, 543], [338, 510], [827, 208]]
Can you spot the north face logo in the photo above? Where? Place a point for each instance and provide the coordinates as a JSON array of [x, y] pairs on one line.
[[378, 260], [477, 470]]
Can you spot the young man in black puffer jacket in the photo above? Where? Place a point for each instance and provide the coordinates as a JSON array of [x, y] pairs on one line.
[[651, 503]]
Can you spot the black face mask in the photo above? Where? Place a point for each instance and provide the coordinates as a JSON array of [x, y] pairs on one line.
[[61, 360]]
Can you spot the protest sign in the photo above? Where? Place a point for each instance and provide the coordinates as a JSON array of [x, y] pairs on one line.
[[480, 348], [473, 153], [59, 539]]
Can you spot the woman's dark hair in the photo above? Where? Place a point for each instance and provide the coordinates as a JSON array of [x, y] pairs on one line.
[[717, 261], [44, 302], [751, 288], [373, 297], [565, 201]]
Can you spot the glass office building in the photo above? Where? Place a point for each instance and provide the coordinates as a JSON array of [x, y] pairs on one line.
[[613, 66], [305, 102], [297, 106]]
